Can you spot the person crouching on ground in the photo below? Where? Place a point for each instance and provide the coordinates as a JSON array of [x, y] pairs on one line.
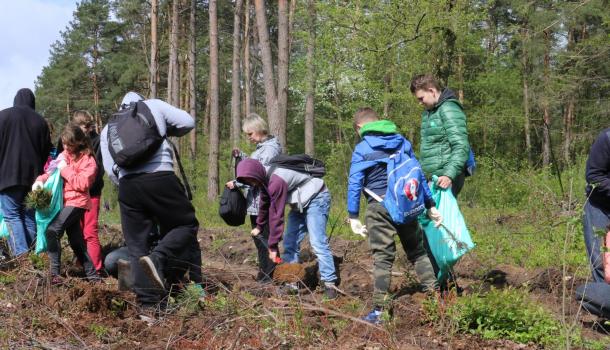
[[150, 193], [267, 147], [380, 139], [77, 168], [309, 200]]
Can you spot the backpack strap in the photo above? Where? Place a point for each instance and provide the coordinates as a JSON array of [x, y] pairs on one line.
[[374, 195], [187, 186]]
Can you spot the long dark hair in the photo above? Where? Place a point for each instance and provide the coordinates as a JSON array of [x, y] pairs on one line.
[[75, 139]]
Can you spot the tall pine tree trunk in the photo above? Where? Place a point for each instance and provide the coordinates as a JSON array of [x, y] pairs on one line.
[[283, 54], [96, 89], [173, 75], [526, 95], [568, 116], [246, 60], [267, 60], [214, 115], [311, 79], [460, 76], [387, 87], [235, 81], [154, 61], [546, 117], [192, 76]]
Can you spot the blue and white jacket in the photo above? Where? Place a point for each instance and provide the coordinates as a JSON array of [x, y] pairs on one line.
[[366, 170]]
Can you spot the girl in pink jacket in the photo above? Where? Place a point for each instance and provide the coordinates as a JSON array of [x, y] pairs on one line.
[[77, 168]]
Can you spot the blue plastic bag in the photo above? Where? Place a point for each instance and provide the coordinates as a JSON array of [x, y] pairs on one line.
[[55, 184], [449, 242]]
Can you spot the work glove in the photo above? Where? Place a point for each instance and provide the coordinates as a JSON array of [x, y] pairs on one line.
[[37, 185], [435, 216], [62, 164], [357, 227]]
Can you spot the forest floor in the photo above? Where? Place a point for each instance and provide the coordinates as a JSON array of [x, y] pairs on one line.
[[238, 313]]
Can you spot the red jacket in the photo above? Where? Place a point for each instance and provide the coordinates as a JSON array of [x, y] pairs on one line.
[[78, 177]]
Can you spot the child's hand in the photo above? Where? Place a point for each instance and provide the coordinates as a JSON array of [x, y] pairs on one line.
[[62, 164], [435, 216], [255, 231], [357, 227], [37, 185]]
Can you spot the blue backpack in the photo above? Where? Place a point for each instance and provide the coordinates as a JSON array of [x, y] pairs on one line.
[[404, 197]]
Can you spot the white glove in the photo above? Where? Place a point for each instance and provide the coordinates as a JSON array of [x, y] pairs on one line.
[[435, 216], [357, 227], [37, 185], [62, 164]]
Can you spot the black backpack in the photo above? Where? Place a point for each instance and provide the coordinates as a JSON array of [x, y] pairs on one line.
[[133, 136], [233, 207], [302, 163]]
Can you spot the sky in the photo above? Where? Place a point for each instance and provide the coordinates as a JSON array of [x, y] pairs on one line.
[[27, 30]]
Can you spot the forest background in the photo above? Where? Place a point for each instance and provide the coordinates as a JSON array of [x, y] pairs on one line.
[[533, 77]]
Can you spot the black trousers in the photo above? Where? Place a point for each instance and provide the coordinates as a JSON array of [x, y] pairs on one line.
[[158, 198], [68, 220], [265, 265]]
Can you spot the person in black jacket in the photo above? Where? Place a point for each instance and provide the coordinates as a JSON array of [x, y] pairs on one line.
[[25, 143], [596, 217]]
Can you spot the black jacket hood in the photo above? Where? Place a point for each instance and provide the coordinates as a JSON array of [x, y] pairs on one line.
[[447, 94], [25, 97]]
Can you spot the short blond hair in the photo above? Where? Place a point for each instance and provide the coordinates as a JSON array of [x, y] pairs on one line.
[[254, 123], [82, 118]]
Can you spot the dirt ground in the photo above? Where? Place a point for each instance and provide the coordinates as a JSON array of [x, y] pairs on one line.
[[238, 313]]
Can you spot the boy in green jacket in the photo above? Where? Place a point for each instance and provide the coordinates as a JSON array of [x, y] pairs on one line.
[[444, 145]]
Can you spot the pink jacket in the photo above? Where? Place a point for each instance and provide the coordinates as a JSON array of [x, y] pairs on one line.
[[78, 177]]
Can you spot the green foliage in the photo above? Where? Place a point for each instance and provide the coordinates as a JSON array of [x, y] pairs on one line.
[[39, 199], [501, 314], [7, 279], [37, 261], [100, 331]]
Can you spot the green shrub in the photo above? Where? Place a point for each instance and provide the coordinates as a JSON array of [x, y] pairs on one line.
[[499, 314]]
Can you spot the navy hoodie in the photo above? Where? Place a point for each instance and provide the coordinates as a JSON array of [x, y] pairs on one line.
[[598, 172], [25, 142]]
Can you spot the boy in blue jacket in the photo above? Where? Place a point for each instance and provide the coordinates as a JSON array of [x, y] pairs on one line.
[[380, 139]]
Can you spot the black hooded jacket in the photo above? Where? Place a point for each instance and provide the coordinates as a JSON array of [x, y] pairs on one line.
[[24, 142]]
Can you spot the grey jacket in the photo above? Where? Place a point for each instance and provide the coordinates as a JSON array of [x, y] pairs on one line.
[[171, 121], [264, 152]]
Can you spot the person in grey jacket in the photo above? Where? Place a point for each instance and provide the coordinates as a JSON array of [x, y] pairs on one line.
[[267, 147], [151, 194]]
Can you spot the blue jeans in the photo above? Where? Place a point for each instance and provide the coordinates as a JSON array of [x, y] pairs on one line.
[[595, 221], [20, 220], [313, 220]]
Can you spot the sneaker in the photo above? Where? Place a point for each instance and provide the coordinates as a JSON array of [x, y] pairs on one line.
[[374, 317], [289, 289], [152, 270], [57, 280], [330, 291]]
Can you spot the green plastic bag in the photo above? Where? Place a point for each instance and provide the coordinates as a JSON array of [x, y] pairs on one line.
[[3, 227], [449, 242], [55, 184]]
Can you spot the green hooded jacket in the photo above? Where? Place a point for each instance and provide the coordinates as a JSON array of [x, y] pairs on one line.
[[382, 126], [444, 138]]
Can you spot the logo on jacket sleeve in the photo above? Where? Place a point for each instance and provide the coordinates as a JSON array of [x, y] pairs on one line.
[[411, 188]]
